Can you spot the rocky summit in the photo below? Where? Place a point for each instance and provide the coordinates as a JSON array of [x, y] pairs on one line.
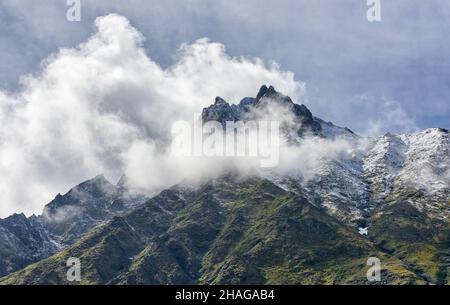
[[388, 198]]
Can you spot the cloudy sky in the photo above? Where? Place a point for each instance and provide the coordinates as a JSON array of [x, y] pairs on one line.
[[350, 66], [80, 98]]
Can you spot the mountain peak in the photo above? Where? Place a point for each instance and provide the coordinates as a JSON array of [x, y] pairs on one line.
[[16, 217], [269, 93], [123, 181], [99, 179], [264, 90], [220, 101], [96, 187], [222, 112]]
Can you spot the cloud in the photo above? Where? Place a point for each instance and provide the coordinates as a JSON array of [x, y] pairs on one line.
[[107, 107], [389, 115], [369, 114], [329, 43]]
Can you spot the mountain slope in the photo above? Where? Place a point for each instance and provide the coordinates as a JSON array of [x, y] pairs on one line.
[[65, 219], [86, 205], [23, 241], [226, 232], [387, 197]]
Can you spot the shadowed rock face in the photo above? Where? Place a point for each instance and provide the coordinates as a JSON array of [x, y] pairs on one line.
[[23, 241]]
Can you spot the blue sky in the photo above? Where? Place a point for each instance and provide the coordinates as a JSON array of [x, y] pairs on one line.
[[350, 66]]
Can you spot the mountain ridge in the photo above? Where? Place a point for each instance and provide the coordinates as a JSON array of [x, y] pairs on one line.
[[395, 190]]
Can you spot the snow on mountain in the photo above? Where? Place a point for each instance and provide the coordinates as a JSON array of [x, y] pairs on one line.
[[414, 167], [383, 162], [427, 161], [349, 187], [331, 131]]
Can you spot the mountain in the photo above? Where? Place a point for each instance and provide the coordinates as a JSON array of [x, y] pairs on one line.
[[66, 218], [23, 241], [387, 197], [86, 205], [266, 100], [227, 231]]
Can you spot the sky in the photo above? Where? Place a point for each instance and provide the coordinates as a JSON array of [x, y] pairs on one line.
[[350, 66], [82, 98]]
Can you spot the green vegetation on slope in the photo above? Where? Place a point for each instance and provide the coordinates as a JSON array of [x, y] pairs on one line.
[[241, 232]]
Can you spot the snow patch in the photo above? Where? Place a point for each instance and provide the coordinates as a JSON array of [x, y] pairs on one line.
[[363, 231]]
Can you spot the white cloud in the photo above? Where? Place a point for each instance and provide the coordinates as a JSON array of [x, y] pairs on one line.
[[104, 107]]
